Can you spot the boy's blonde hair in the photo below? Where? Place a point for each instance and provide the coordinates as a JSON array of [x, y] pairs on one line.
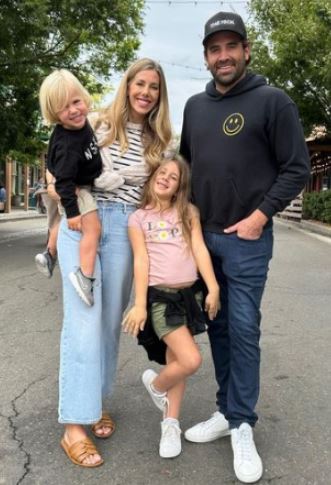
[[55, 92], [157, 127]]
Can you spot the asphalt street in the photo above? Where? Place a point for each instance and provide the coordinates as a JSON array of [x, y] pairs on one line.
[[292, 435]]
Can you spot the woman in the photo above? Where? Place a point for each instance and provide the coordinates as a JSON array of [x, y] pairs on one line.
[[133, 133]]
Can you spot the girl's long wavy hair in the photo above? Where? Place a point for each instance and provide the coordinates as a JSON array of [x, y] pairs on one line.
[[156, 128], [181, 200]]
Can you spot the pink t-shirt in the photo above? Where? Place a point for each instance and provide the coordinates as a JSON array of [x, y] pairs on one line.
[[171, 262]]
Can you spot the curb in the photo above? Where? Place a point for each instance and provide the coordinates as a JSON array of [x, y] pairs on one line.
[[303, 225], [310, 226], [20, 215]]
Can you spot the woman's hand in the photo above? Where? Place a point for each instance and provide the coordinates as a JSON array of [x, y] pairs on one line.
[[135, 320], [212, 303], [75, 223]]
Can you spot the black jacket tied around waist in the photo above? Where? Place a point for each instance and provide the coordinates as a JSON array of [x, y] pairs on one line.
[[179, 304]]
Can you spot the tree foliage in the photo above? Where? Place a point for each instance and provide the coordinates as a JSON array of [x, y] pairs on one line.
[[90, 38], [292, 48]]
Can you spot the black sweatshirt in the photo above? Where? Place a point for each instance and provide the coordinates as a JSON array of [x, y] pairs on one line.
[[73, 158], [246, 149]]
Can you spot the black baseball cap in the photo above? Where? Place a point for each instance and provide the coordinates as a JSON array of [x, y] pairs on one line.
[[224, 21]]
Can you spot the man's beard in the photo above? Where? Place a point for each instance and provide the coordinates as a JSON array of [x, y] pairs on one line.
[[224, 80]]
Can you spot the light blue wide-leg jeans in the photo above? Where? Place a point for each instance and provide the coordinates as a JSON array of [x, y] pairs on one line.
[[90, 335], [117, 273]]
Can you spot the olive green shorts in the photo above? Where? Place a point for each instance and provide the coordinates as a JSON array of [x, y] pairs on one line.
[[158, 314]]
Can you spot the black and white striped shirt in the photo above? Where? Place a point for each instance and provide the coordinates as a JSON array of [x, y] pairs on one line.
[[128, 193]]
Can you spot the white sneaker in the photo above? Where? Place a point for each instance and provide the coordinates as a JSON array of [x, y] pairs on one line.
[[160, 399], [212, 429], [170, 443], [45, 263], [246, 460]]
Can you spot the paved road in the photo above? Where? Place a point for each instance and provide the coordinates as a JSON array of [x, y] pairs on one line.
[[11, 230], [293, 434]]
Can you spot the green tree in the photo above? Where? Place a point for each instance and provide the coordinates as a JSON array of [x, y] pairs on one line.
[[91, 38], [292, 48]]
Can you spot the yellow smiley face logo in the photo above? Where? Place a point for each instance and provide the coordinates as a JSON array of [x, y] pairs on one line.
[[233, 124]]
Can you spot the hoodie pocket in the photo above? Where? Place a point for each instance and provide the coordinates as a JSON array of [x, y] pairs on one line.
[[236, 192]]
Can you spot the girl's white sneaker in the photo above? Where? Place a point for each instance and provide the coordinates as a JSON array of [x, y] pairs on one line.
[[159, 399], [170, 443]]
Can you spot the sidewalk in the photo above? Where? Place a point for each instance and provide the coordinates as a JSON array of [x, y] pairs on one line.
[[18, 214], [310, 226]]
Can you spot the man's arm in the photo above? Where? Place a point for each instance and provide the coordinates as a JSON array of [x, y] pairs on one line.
[[288, 145]]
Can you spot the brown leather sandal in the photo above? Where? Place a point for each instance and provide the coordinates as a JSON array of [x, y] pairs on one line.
[[77, 452], [104, 422]]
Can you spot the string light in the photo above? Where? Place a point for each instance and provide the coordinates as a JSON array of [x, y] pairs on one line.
[[194, 2], [189, 2], [182, 65]]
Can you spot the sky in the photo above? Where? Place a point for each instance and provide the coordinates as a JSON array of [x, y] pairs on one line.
[[173, 36]]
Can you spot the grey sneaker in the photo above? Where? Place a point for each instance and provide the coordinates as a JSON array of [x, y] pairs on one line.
[[45, 263], [170, 443], [160, 400], [247, 463], [212, 429], [83, 285]]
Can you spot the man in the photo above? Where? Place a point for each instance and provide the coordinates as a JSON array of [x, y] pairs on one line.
[[246, 148]]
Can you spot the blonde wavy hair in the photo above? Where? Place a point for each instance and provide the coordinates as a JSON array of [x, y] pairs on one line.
[[180, 201], [55, 92], [156, 127]]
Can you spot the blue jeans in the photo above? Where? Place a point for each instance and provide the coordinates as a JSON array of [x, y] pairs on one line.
[[90, 335], [241, 269]]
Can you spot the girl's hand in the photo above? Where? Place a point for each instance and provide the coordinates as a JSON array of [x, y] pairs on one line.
[[212, 303], [135, 320], [75, 223]]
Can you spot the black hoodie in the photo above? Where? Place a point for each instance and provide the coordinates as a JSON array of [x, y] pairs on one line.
[[74, 159], [246, 149]]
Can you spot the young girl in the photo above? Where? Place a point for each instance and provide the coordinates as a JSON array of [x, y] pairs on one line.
[[74, 160], [169, 250]]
